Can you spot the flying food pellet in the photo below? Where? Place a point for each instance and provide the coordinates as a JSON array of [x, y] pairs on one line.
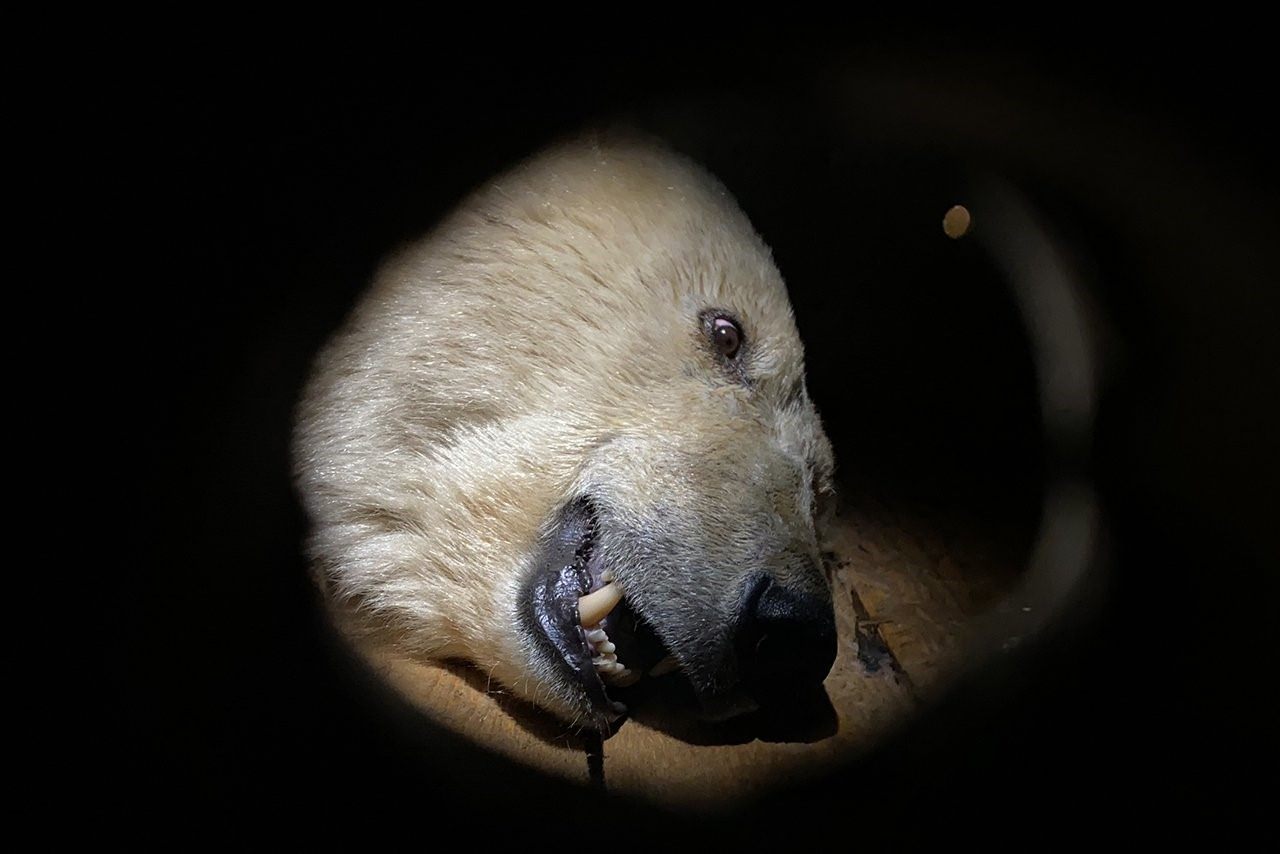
[[956, 222]]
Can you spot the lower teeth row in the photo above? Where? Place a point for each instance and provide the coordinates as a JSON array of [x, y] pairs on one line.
[[606, 658]]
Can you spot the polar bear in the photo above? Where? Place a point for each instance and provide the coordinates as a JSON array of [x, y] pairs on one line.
[[566, 437]]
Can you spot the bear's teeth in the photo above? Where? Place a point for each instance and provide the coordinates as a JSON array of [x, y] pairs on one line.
[[623, 678], [594, 607], [605, 647], [662, 668], [608, 665], [596, 636]]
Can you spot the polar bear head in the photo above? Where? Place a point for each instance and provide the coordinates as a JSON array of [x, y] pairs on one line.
[[567, 437]]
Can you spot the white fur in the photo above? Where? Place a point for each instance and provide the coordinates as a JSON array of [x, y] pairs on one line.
[[470, 392]]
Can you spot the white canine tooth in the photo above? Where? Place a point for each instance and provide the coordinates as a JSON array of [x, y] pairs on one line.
[[605, 647], [597, 636], [594, 607], [662, 668]]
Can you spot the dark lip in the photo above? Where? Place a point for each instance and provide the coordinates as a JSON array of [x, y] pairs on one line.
[[559, 578]]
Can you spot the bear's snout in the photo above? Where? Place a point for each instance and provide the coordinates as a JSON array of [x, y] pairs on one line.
[[786, 639]]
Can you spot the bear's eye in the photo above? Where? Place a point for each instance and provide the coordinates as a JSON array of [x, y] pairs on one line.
[[727, 337]]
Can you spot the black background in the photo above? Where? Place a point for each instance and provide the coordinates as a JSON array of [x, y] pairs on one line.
[[289, 165]]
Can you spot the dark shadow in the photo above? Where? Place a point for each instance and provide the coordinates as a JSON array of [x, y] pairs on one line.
[[802, 717]]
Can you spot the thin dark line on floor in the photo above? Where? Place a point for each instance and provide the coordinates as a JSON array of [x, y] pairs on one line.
[[595, 760]]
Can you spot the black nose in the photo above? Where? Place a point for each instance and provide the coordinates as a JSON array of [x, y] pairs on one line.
[[786, 638]]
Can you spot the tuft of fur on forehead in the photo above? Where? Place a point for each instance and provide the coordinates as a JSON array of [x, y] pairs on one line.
[[550, 313]]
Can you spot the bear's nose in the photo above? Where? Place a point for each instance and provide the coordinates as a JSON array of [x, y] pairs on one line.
[[786, 638]]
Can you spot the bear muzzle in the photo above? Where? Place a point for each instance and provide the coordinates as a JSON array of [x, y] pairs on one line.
[[776, 644]]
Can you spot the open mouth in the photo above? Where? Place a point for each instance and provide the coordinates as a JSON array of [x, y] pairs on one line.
[[581, 617]]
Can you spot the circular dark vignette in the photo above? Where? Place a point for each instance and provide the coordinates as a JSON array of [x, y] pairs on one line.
[[271, 707]]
